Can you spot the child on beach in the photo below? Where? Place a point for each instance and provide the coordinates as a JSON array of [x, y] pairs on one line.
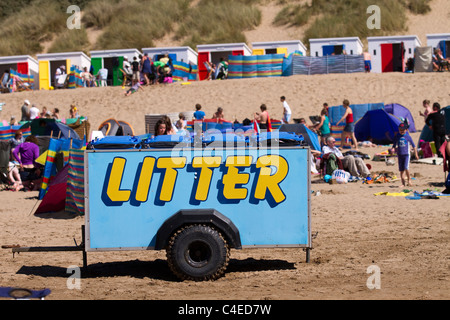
[[133, 89], [402, 144]]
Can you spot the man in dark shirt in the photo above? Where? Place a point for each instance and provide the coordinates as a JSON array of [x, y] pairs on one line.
[[436, 122], [136, 73]]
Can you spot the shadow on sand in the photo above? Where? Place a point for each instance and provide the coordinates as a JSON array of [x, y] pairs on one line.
[[157, 269]]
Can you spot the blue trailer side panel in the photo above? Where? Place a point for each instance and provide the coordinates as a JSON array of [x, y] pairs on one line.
[[131, 193]]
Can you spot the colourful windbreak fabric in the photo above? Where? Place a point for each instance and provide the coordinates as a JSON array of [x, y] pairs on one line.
[[56, 146], [8, 132], [75, 183], [267, 65], [184, 71]]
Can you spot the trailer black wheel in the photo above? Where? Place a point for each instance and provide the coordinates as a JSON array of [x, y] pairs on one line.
[[198, 252]]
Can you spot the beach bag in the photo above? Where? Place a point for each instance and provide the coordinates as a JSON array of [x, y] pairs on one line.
[[426, 149], [340, 176]]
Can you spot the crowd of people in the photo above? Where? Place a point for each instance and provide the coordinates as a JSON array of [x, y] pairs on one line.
[[403, 146], [31, 111], [24, 173], [146, 71]]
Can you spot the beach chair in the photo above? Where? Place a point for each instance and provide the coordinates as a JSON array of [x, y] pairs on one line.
[[61, 81], [210, 70], [327, 165]]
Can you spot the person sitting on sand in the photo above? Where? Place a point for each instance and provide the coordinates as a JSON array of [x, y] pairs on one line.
[[73, 111], [181, 123], [14, 177], [402, 143], [55, 113], [160, 128], [354, 165], [170, 127], [219, 114], [26, 155], [17, 140], [199, 114]]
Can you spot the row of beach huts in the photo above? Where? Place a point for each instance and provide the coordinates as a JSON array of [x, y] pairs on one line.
[[388, 54]]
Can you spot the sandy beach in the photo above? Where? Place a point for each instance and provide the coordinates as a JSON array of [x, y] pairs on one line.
[[407, 239]]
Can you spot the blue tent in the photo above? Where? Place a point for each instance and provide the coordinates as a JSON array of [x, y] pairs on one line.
[[401, 112], [311, 138], [377, 126]]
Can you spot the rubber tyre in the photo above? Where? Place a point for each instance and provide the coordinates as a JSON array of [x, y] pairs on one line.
[[198, 253]]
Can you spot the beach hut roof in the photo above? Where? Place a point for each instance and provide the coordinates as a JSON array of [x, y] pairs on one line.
[[169, 49], [222, 47], [336, 40], [395, 38], [17, 59], [61, 55], [114, 53]]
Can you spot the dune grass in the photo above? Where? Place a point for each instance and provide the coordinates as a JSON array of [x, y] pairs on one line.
[[23, 32], [26, 24], [215, 21], [419, 6], [70, 41], [133, 23], [341, 18]]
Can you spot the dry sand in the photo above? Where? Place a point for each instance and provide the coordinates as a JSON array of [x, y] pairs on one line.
[[407, 239]]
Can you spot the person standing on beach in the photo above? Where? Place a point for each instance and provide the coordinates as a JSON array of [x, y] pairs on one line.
[[286, 110], [436, 122], [402, 144], [136, 73], [25, 111], [324, 126], [428, 110], [349, 129]]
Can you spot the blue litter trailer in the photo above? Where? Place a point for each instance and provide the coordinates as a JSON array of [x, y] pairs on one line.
[[196, 203]]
